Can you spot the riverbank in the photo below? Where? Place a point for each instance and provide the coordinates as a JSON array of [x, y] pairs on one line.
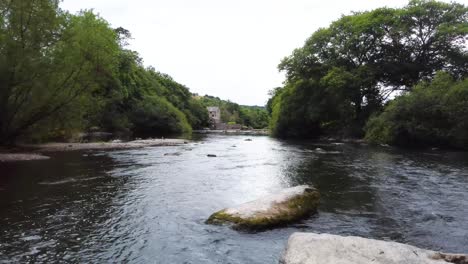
[[251, 132], [27, 152], [6, 157]]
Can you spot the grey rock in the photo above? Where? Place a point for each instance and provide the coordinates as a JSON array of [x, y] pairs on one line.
[[286, 206], [310, 248], [173, 154]]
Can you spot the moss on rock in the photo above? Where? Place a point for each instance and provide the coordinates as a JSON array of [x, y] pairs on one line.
[[289, 208]]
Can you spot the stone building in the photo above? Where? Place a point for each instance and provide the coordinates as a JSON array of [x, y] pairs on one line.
[[216, 123], [215, 115]]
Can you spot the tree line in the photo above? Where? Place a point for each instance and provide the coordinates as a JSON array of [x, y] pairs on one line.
[[392, 75], [255, 117], [63, 73]]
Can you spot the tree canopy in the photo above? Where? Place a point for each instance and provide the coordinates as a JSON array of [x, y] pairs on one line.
[[435, 113], [61, 73], [346, 72]]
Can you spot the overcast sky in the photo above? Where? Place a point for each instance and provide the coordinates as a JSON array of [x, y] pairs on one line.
[[228, 49]]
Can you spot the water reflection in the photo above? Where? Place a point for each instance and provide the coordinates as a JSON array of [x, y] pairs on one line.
[[144, 206], [49, 208]]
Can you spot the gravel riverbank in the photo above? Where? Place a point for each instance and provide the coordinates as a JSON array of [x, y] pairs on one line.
[[35, 152]]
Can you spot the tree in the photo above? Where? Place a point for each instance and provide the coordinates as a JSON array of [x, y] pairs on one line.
[[49, 60], [156, 116], [62, 73], [434, 113], [401, 46], [347, 70]]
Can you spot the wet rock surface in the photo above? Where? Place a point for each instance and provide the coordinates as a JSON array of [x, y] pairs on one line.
[[284, 207]]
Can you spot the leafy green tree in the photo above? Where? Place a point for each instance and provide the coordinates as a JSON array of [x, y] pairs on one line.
[[275, 93], [147, 103], [346, 71], [180, 96], [435, 113], [255, 117], [156, 116], [197, 114], [50, 60], [61, 74]]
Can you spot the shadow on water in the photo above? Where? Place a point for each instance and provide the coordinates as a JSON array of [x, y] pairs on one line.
[[146, 206], [53, 209]]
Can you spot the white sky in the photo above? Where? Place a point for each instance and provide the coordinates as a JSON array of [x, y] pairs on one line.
[[228, 49]]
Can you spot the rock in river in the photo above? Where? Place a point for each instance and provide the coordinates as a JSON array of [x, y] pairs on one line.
[[310, 248], [173, 154], [274, 210]]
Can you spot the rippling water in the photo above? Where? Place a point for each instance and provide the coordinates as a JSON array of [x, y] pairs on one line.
[[149, 205]]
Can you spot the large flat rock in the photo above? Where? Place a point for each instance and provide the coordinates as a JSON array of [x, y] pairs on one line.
[[277, 209], [310, 248]]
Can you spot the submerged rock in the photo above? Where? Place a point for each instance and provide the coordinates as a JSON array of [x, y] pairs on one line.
[[274, 210], [322, 151], [310, 248], [173, 154]]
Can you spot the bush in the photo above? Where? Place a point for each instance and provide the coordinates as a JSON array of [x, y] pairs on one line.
[[155, 116], [433, 114]]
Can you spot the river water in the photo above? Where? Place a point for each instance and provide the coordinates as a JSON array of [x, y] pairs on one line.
[[149, 205]]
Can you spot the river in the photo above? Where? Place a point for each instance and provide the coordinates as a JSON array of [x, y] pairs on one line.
[[149, 205]]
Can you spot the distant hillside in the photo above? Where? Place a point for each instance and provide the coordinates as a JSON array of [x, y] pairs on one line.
[[250, 116]]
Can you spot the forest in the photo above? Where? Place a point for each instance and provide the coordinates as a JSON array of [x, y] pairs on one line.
[[62, 73], [392, 75]]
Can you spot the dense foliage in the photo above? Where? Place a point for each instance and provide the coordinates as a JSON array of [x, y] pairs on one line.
[[347, 71], [249, 116], [62, 73], [434, 113]]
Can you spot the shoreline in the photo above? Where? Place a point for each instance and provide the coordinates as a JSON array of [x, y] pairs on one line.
[[29, 152], [251, 132]]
